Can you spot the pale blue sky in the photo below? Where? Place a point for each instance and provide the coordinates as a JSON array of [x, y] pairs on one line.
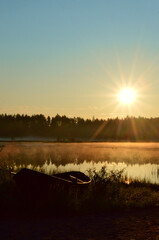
[[72, 56]]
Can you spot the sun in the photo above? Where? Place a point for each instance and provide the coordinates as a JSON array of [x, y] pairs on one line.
[[127, 96]]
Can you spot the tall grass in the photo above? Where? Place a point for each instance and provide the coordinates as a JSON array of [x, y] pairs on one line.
[[109, 190]]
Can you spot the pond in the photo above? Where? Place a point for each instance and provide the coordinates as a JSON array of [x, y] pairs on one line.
[[139, 160]]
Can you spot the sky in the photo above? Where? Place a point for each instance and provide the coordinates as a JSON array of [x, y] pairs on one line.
[[73, 57]]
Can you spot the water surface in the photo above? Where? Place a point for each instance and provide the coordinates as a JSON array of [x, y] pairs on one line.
[[140, 160]]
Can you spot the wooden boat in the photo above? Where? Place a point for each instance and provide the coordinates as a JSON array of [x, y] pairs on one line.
[[73, 177], [37, 183]]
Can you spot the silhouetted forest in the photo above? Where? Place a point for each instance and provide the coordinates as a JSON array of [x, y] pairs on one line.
[[62, 128]]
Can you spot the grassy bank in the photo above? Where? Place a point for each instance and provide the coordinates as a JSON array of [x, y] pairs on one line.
[[107, 191]]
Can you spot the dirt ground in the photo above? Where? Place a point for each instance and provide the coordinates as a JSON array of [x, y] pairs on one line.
[[129, 225]]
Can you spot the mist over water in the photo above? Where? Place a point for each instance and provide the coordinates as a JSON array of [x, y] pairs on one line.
[[139, 160]]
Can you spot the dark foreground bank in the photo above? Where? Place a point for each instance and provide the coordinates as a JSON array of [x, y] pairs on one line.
[[133, 224], [108, 208], [106, 192]]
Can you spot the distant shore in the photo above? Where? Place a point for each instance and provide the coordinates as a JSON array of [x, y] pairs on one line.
[[46, 140]]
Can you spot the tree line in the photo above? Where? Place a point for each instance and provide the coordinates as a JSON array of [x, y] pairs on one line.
[[63, 128]]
